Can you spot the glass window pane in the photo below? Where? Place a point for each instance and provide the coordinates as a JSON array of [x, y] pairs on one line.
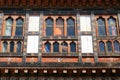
[[12, 47], [8, 29], [64, 47], [102, 47], [49, 27], [116, 46], [59, 29], [70, 31], [56, 47], [101, 27], [19, 45], [109, 46], [112, 27], [19, 27], [72, 47], [47, 47], [5, 46], [70, 27], [19, 31], [49, 31]]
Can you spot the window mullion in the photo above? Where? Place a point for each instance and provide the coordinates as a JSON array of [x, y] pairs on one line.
[[54, 26], [106, 52], [113, 47], [106, 26], [117, 26], [65, 27], [13, 27]]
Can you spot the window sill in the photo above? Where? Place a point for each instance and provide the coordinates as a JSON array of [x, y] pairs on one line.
[[10, 54], [60, 37], [109, 54], [11, 37], [60, 54]]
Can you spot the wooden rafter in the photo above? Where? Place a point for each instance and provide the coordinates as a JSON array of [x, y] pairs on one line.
[[58, 3]]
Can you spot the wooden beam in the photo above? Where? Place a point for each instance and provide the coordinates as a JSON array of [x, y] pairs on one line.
[[16, 2], [31, 2], [60, 4], [2, 2], [39, 2], [23, 2], [9, 3]]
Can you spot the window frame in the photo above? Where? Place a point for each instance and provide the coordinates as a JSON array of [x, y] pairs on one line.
[[14, 17], [55, 17], [106, 17]]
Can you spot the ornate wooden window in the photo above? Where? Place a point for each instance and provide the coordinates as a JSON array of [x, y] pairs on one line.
[[49, 27], [12, 27], [8, 28], [56, 30], [19, 27], [107, 34], [59, 26], [107, 25], [70, 27]]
